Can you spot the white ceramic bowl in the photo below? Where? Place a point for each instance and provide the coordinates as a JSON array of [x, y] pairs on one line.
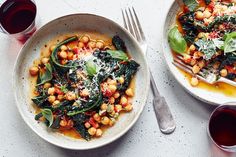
[[31, 51], [202, 94]]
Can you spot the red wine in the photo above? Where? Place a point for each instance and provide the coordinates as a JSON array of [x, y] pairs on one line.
[[222, 126], [17, 15]]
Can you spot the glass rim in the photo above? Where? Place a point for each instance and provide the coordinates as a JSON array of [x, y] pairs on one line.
[[25, 30], [228, 148]]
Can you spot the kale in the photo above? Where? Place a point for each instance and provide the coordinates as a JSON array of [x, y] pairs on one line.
[[231, 76], [127, 70], [119, 43], [207, 2], [41, 101], [82, 131], [189, 28], [228, 59]]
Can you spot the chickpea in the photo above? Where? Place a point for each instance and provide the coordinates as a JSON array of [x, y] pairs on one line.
[[63, 54], [34, 71], [201, 35], [92, 44], [199, 15], [87, 125], [105, 120], [193, 62], [221, 27], [207, 13], [99, 132], [80, 44], [128, 107], [194, 81], [52, 47], [56, 102], [47, 85], [112, 82], [103, 106], [63, 48], [121, 80], [116, 95], [51, 98], [97, 117], [123, 100], [192, 48], [112, 88], [51, 91], [195, 69], [129, 92], [70, 123], [45, 60], [60, 97], [63, 123], [92, 131], [85, 39], [118, 108], [216, 65], [112, 100], [63, 62], [70, 55], [201, 64], [112, 122], [223, 72], [110, 108], [100, 44], [70, 96], [84, 93]]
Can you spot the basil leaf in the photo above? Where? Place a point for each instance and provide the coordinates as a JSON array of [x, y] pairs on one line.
[[230, 43], [90, 67], [191, 4], [207, 47], [118, 54], [176, 41], [46, 76], [218, 43], [47, 113]]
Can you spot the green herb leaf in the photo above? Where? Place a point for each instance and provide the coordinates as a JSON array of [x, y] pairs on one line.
[[207, 47], [64, 89], [118, 54], [191, 4], [230, 43], [47, 113], [45, 76], [91, 67], [176, 41]]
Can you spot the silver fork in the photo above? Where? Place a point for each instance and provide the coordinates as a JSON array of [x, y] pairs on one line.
[[204, 74], [162, 111]]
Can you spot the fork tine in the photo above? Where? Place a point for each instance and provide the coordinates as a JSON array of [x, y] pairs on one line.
[[130, 28], [139, 25], [186, 66], [124, 20], [189, 71], [134, 24]]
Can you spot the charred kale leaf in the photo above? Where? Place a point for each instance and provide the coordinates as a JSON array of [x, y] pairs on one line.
[[119, 43], [189, 28]]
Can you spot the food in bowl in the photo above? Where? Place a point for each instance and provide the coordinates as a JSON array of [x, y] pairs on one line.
[[83, 85], [205, 36]]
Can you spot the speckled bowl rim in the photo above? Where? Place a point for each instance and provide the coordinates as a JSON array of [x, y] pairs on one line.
[[203, 99], [137, 114]]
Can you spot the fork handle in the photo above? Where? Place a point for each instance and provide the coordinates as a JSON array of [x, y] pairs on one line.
[[164, 117]]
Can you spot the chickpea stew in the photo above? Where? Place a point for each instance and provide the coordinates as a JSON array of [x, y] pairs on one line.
[[84, 85], [205, 35]]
